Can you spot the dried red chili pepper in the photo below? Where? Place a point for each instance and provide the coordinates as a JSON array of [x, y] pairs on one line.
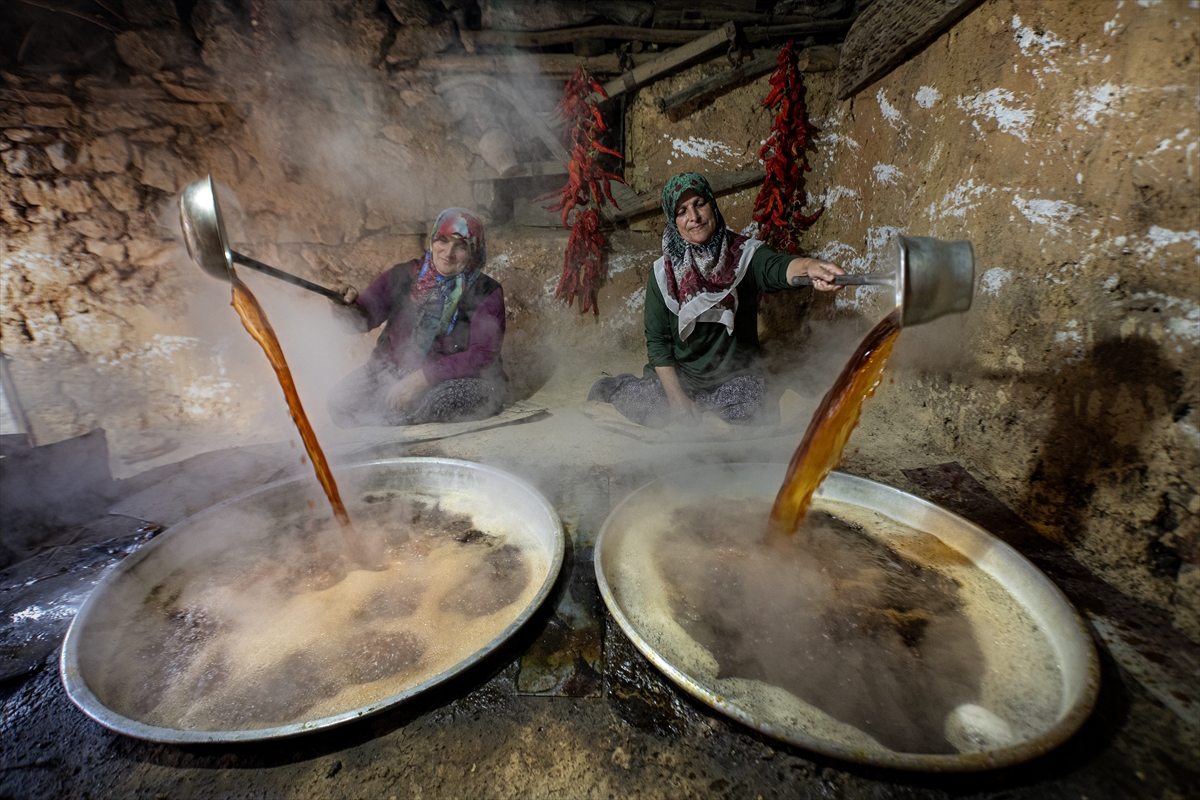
[[587, 187], [779, 207]]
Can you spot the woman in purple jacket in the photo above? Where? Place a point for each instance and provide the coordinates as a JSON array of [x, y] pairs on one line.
[[438, 358]]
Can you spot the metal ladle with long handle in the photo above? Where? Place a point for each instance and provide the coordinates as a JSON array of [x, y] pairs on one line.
[[207, 244], [935, 277]]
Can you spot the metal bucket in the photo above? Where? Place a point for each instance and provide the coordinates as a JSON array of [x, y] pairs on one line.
[[626, 530], [497, 501]]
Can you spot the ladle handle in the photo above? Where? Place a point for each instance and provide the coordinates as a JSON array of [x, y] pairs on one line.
[[842, 280], [247, 261]]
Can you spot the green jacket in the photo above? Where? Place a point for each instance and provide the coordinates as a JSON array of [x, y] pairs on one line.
[[711, 355]]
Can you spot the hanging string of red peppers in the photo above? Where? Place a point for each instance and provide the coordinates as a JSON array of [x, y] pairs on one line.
[[584, 268], [779, 207]]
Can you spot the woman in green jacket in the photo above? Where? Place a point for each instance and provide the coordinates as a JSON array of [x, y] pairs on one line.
[[701, 316]]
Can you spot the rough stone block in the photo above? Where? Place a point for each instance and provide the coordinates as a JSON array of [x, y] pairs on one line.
[[113, 119], [26, 161], [163, 133], [198, 78], [215, 113], [110, 153], [192, 95], [138, 52], [113, 251], [13, 217], [33, 191], [146, 253], [57, 117], [61, 155], [89, 228], [162, 169], [73, 196], [411, 98], [26, 136], [120, 192], [183, 115], [44, 215], [414, 42]]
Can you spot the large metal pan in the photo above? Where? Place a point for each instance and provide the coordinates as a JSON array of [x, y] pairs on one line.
[[193, 547], [625, 531]]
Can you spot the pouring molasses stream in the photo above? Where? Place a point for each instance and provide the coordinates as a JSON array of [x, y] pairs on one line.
[[933, 278], [208, 245]]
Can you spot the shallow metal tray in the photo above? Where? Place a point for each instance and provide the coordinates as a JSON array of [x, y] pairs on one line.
[[1049, 607], [183, 546]]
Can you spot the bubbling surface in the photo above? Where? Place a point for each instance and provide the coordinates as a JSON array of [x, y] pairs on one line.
[[276, 635], [859, 631]]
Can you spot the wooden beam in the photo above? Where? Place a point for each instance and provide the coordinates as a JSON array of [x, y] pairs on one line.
[[764, 62], [626, 33], [672, 61], [760, 34], [887, 33], [811, 59], [649, 202], [556, 64], [702, 15]]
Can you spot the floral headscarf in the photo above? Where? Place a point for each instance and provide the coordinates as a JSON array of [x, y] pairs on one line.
[[699, 279], [435, 295]]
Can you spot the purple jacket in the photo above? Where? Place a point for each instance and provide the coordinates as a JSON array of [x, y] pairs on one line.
[[470, 350]]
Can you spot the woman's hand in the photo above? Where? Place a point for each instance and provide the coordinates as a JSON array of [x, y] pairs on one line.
[[821, 272], [349, 294], [406, 390], [682, 408]]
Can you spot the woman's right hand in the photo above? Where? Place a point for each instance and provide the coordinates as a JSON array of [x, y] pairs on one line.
[[349, 294], [682, 408]]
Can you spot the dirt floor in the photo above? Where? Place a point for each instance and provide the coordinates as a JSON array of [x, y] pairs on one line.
[[631, 733]]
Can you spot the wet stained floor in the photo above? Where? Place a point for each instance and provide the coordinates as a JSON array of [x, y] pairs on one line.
[[567, 708]]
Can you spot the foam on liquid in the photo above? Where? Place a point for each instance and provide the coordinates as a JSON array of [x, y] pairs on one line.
[[255, 642], [1018, 690]]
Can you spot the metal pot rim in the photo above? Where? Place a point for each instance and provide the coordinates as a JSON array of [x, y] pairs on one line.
[[83, 697], [1064, 727]]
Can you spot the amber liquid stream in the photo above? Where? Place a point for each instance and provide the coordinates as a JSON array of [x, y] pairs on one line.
[[255, 321], [820, 450]]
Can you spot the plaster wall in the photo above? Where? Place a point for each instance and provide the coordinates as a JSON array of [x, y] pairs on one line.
[[1061, 139]]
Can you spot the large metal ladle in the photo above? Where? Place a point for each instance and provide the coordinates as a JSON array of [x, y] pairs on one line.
[[207, 244], [934, 278]]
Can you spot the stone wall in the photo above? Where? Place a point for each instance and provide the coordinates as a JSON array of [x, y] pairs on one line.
[[330, 164]]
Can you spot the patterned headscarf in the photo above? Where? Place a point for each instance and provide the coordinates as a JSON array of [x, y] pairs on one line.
[[436, 296], [699, 277]]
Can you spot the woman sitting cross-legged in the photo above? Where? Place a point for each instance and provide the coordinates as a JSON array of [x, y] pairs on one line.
[[701, 316], [438, 358]]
